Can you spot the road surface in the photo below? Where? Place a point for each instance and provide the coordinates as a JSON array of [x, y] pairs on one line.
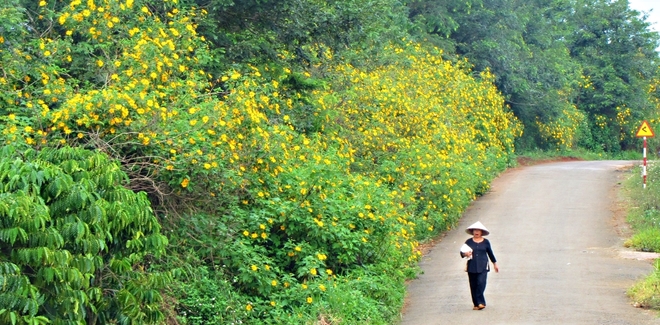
[[558, 242]]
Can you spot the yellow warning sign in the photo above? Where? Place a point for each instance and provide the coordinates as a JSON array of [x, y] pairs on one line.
[[645, 130]]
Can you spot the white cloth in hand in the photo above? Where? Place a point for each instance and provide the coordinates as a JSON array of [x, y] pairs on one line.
[[466, 249]]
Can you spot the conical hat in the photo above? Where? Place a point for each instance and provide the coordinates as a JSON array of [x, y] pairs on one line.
[[477, 225]]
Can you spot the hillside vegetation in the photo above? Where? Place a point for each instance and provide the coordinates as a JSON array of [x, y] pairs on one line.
[[276, 162]]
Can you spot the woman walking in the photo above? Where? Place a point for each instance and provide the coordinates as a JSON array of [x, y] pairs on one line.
[[477, 249]]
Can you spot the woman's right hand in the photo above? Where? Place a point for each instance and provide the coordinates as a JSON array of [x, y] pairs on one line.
[[468, 254]]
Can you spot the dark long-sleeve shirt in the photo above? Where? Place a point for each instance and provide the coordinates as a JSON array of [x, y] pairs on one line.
[[481, 252]]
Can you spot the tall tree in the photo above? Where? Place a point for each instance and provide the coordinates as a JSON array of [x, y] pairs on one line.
[[272, 30], [573, 71], [616, 50], [520, 43]]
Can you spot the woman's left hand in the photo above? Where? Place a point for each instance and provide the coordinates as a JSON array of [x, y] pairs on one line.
[[497, 269]]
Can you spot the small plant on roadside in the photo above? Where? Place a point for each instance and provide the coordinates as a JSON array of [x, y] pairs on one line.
[[646, 293]]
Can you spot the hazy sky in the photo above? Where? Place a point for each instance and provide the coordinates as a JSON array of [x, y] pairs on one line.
[[647, 5], [654, 16]]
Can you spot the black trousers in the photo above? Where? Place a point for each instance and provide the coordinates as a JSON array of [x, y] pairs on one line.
[[477, 287]]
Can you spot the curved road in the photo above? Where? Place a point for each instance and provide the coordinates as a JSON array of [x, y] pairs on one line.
[[556, 238]]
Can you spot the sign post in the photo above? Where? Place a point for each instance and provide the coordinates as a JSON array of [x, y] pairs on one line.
[[643, 132]]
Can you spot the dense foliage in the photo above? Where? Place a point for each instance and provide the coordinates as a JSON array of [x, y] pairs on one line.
[[294, 153], [575, 72], [74, 243]]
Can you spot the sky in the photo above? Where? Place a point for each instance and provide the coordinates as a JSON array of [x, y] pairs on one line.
[[645, 6]]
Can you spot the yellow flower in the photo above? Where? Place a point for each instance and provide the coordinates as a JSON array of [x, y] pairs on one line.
[[273, 283], [272, 303], [185, 182], [309, 300], [42, 3], [313, 271], [329, 271], [322, 287], [254, 267], [246, 233], [248, 307]]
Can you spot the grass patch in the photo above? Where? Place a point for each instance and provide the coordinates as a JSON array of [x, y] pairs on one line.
[[643, 212], [646, 293], [643, 215], [530, 157], [646, 240]]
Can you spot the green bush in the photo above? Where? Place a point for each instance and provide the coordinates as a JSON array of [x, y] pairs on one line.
[[646, 240], [646, 293], [75, 245]]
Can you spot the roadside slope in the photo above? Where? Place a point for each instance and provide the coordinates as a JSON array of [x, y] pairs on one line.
[[557, 249]]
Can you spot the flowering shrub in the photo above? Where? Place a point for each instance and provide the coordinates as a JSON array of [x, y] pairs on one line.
[[562, 131], [425, 131], [296, 190]]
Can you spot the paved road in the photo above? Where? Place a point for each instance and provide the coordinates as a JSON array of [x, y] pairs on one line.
[[553, 231]]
